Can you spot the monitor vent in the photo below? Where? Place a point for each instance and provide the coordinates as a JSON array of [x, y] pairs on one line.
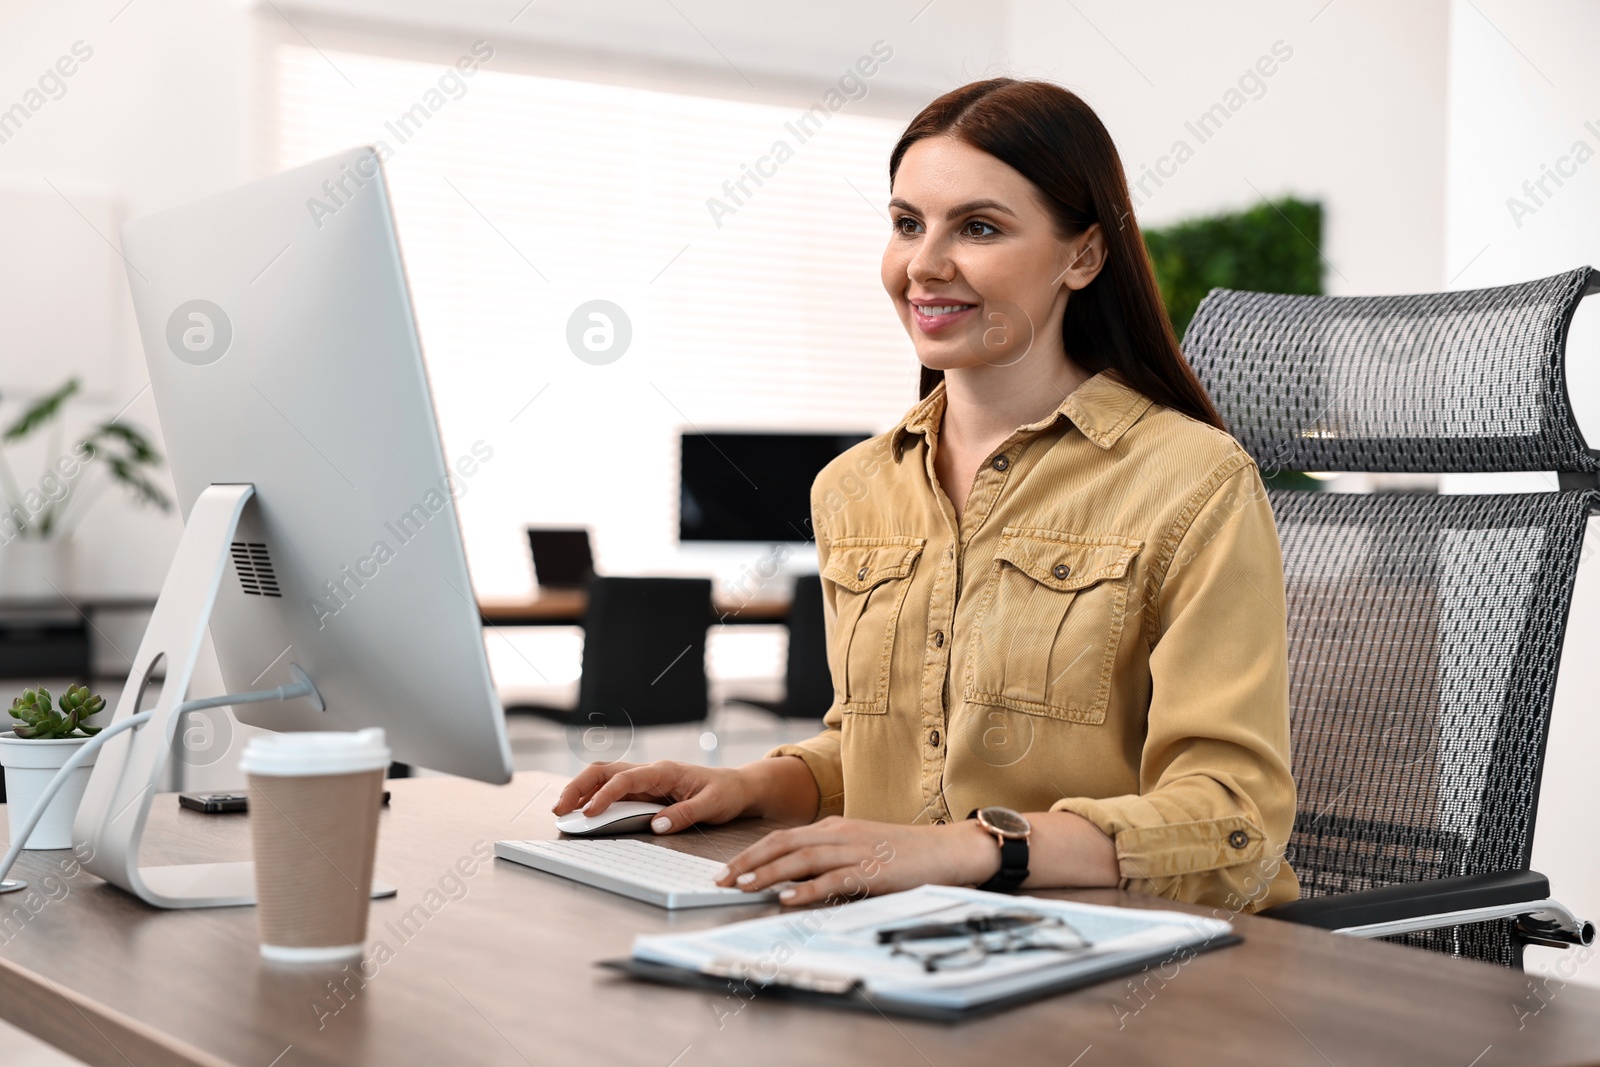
[[250, 559]]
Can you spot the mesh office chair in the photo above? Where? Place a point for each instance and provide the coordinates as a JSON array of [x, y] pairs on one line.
[[644, 663], [807, 682], [1425, 631]]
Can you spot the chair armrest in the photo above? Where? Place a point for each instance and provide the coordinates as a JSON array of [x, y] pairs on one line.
[[1411, 900], [1444, 902]]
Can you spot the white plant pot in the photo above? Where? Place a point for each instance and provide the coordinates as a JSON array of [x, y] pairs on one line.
[[36, 570], [30, 764]]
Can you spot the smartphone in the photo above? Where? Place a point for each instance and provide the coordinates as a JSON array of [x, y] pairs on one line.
[[223, 803], [214, 803]]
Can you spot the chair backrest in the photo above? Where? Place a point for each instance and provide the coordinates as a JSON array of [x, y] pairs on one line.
[[808, 684], [1467, 381], [1425, 630], [644, 652]]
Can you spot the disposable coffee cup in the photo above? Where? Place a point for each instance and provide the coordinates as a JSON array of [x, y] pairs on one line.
[[314, 803]]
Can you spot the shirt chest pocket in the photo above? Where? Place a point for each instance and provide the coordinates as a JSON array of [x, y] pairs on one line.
[[873, 575], [1047, 629]]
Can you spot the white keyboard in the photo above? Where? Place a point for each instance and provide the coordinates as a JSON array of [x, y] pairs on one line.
[[634, 868]]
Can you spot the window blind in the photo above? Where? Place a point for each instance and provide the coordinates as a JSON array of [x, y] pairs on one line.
[[521, 197]]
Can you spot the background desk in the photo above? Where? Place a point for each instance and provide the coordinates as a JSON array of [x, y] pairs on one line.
[[497, 970], [57, 637], [564, 607]]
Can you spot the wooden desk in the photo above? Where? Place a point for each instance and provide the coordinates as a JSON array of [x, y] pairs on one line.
[[564, 607], [497, 969]]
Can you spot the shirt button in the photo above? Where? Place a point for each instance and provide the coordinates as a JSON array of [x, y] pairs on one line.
[[1061, 570], [1001, 463], [1238, 839], [861, 575], [933, 738], [938, 639]]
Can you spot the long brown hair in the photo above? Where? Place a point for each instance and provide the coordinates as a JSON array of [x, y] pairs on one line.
[[1051, 137]]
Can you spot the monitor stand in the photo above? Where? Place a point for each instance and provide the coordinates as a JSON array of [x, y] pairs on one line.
[[131, 767]]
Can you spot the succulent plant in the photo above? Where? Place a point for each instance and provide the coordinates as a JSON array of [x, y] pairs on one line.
[[35, 718]]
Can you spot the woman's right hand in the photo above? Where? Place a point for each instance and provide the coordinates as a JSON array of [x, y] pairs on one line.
[[697, 794]]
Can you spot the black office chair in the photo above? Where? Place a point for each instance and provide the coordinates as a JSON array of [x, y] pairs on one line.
[[1425, 630], [644, 663], [807, 682]]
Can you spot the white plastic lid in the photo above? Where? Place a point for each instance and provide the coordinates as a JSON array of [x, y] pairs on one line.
[[293, 755]]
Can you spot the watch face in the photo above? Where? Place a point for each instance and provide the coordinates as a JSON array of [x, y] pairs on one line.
[[1005, 821]]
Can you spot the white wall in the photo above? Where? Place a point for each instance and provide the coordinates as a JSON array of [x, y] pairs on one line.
[[151, 119], [1354, 116]]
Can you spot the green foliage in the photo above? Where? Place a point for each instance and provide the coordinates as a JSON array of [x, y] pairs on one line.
[[1273, 247], [122, 450], [42, 412], [36, 719]]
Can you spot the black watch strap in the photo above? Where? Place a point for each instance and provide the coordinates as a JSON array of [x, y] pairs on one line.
[[1013, 864]]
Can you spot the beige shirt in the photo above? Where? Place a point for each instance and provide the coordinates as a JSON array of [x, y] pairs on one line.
[[1102, 632]]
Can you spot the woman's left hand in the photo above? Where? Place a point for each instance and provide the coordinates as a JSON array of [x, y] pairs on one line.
[[837, 857]]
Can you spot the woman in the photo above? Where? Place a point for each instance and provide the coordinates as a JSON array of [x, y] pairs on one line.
[[1054, 591]]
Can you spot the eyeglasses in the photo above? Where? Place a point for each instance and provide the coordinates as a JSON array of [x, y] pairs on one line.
[[983, 936]]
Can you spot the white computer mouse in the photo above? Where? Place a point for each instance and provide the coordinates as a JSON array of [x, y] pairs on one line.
[[622, 817]]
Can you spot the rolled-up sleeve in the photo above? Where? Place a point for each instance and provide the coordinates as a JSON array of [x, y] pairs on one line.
[[822, 754], [822, 757], [1216, 800]]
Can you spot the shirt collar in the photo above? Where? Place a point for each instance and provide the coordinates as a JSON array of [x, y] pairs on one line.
[[1102, 408]]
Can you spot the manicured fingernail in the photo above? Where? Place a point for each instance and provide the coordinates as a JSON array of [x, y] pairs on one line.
[[746, 878], [720, 875], [787, 894], [661, 825]]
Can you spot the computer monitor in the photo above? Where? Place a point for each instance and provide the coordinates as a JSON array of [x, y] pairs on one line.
[[562, 558], [752, 486], [321, 529]]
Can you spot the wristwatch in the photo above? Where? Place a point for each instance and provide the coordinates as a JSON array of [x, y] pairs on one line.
[[1011, 831]]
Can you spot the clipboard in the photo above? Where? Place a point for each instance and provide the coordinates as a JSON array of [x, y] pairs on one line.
[[855, 998]]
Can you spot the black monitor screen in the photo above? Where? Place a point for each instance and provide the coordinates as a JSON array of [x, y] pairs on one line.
[[752, 486]]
